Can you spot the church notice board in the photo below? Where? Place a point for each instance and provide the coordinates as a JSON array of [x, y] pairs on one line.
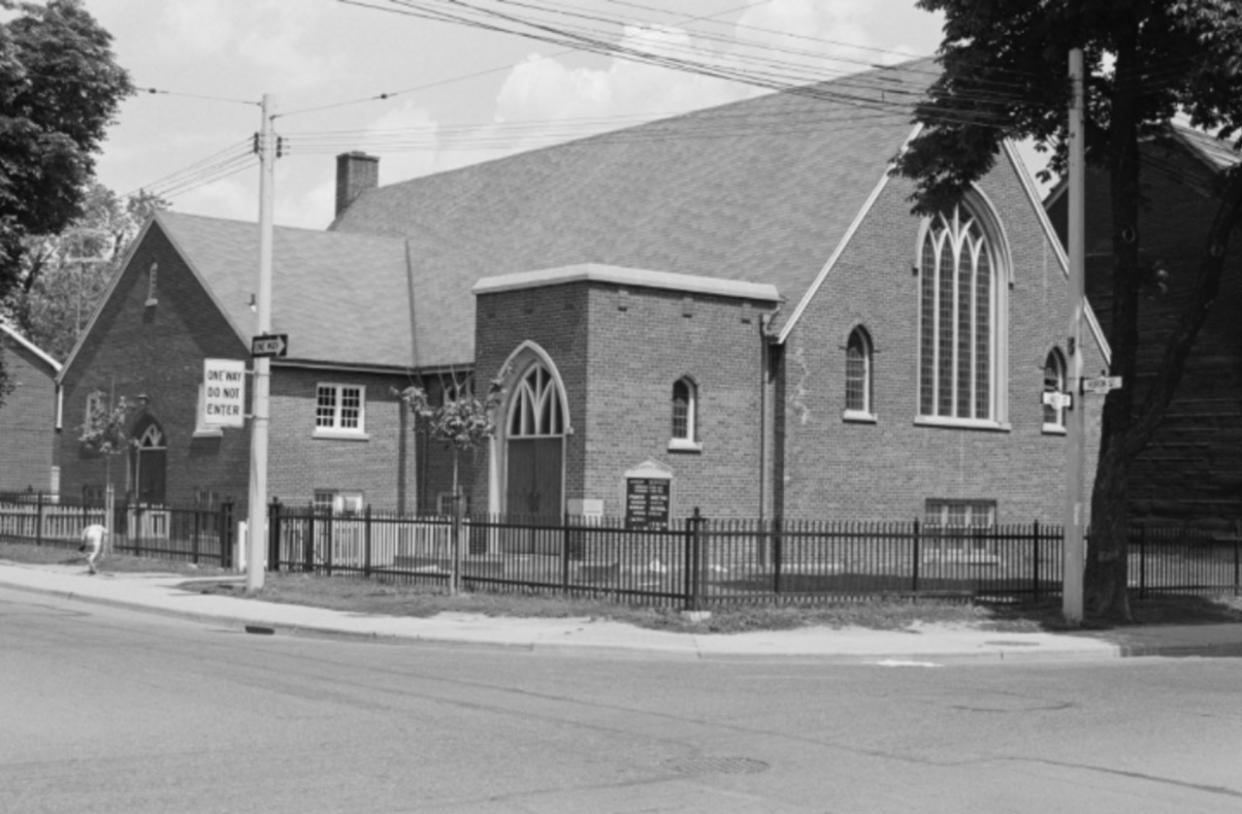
[[646, 503]]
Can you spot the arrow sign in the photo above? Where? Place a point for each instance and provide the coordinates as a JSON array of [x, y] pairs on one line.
[[270, 345], [1059, 401]]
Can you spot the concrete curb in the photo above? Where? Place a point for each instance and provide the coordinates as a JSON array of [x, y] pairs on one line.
[[577, 638]]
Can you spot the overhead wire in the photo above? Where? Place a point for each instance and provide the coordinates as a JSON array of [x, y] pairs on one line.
[[793, 70]]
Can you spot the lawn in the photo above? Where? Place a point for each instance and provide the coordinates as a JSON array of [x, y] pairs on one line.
[[372, 596]]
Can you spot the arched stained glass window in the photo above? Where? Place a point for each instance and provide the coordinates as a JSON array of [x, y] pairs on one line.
[[536, 406], [958, 320]]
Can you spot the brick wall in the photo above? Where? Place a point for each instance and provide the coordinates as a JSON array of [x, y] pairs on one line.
[[134, 349], [619, 353], [889, 468], [379, 463], [158, 350], [27, 420]]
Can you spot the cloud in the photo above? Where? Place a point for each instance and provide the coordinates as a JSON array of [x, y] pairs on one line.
[[271, 38], [541, 89]]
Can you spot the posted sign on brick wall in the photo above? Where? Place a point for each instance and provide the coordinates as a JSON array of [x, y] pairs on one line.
[[224, 393]]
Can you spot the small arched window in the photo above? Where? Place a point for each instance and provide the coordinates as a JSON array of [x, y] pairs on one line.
[[685, 415], [858, 374], [1054, 382]]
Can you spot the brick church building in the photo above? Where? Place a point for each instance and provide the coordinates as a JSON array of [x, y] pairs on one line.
[[734, 307]]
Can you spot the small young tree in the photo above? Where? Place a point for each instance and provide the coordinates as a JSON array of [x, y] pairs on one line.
[[105, 431], [464, 421]]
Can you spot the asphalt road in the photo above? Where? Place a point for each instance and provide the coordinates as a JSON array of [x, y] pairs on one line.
[[107, 710]]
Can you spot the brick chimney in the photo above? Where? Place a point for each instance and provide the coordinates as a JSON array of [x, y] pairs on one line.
[[355, 174]]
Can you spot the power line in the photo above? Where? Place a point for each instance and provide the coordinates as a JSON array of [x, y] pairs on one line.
[[201, 96]]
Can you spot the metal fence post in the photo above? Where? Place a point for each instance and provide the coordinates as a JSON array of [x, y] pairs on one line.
[[1035, 561], [1237, 555], [330, 533], [226, 534], [275, 534], [366, 542], [39, 520], [914, 586], [1142, 560], [693, 545], [198, 513], [308, 541], [565, 553], [777, 551]]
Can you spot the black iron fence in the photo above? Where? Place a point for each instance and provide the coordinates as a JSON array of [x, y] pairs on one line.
[[698, 562], [196, 534], [695, 562]]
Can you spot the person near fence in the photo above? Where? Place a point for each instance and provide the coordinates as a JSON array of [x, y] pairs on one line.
[[92, 544]]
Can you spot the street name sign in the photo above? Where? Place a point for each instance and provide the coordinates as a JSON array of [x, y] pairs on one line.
[[224, 393], [1100, 385], [270, 345]]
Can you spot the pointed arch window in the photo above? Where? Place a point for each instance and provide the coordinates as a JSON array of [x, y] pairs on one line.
[[536, 407], [1054, 382], [685, 416], [961, 323], [858, 355]]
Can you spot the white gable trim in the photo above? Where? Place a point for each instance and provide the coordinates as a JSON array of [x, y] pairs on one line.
[[32, 347], [620, 275], [805, 302], [1028, 184]]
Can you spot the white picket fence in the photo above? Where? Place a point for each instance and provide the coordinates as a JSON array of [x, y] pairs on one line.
[[22, 521], [342, 541]]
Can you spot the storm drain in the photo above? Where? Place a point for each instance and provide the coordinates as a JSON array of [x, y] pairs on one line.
[[716, 765]]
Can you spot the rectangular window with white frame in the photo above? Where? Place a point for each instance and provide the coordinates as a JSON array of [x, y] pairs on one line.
[[959, 526], [340, 411]]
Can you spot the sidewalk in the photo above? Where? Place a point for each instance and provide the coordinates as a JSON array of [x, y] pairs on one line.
[[930, 644]]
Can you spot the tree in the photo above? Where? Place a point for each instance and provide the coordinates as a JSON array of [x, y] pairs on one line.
[[105, 431], [62, 277], [1146, 61], [59, 90], [464, 421]]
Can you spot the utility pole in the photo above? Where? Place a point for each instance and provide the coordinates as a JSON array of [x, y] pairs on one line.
[[1075, 544], [260, 408]]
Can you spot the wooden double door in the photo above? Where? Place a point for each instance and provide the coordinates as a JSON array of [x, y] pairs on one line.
[[533, 494]]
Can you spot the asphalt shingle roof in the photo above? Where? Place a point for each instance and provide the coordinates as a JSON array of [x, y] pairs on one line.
[[761, 190], [341, 298]]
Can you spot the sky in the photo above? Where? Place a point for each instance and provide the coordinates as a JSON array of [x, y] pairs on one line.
[[456, 94]]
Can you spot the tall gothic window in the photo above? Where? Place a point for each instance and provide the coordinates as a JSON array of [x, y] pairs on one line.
[[959, 320]]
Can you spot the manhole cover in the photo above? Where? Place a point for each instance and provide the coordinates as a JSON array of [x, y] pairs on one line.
[[716, 765]]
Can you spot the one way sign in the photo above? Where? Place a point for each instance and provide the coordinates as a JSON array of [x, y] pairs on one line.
[[269, 345]]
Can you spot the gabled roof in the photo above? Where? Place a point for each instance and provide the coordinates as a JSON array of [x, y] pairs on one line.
[[36, 353], [341, 298], [1219, 154], [763, 190]]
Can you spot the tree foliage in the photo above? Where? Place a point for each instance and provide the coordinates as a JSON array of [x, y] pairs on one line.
[[60, 88], [1004, 77], [462, 418], [105, 428], [63, 276]]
